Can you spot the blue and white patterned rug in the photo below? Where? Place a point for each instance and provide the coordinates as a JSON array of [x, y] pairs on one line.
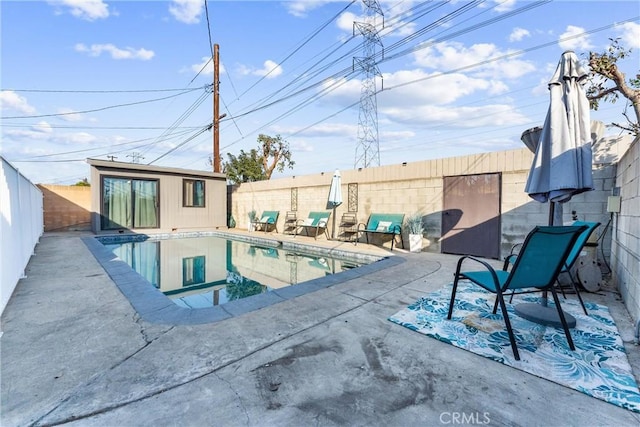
[[599, 367]]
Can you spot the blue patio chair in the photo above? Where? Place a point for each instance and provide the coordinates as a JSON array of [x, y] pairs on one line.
[[537, 265], [569, 262]]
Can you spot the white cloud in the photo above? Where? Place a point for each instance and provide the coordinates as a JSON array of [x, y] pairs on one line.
[[9, 100], [89, 10], [575, 42], [205, 67], [29, 134], [458, 117], [429, 88], [115, 52], [43, 127], [300, 8], [629, 35], [44, 133], [518, 34], [187, 11], [345, 21], [301, 145], [497, 87], [269, 70], [341, 91], [449, 56], [69, 115], [79, 138], [504, 5], [542, 88], [41, 131]]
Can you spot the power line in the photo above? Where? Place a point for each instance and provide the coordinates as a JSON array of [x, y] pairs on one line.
[[96, 91], [182, 143], [99, 109], [53, 126]]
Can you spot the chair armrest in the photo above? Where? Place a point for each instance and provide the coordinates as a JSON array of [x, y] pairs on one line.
[[508, 260], [488, 266], [364, 227]]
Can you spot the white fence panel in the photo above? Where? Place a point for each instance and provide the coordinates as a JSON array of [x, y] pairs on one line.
[[21, 225]]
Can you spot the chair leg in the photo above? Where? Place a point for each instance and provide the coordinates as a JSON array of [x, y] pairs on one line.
[[495, 304], [563, 320], [453, 296], [507, 323], [577, 291]]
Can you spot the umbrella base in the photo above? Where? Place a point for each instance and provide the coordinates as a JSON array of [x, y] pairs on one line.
[[543, 315]]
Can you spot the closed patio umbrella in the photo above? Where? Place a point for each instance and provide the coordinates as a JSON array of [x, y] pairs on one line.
[[562, 165], [563, 159], [335, 198]]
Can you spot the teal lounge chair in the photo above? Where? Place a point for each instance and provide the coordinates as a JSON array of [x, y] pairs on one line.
[[569, 262], [266, 221], [316, 222], [538, 264]]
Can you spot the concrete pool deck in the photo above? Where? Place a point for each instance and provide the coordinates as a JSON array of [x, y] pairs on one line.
[[75, 352]]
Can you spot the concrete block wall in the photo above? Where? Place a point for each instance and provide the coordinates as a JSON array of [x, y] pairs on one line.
[[418, 187], [625, 245], [66, 207]]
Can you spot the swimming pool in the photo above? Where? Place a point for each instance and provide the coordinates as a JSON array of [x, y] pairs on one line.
[[207, 271], [225, 270]]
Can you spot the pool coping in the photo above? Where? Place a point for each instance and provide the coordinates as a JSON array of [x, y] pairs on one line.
[[155, 307]]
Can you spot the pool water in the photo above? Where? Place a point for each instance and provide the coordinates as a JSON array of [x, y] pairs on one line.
[[200, 272]]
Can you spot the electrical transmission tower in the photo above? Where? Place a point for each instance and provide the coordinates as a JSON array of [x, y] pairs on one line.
[[367, 148]]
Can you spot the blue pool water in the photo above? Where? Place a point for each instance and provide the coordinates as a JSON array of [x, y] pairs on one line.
[[200, 272]]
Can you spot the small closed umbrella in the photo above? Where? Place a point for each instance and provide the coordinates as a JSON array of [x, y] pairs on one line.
[[562, 166], [335, 198]]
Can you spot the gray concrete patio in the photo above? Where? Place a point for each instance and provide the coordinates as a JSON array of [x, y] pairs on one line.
[[75, 352]]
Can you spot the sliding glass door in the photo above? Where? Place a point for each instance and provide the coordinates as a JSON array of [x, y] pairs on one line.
[[129, 203]]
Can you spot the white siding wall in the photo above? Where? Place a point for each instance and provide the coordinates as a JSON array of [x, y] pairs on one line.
[[21, 225]]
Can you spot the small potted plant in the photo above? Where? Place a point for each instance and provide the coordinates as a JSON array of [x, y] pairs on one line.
[[415, 229], [252, 219]]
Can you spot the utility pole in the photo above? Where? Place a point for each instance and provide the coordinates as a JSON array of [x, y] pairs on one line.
[[216, 108]]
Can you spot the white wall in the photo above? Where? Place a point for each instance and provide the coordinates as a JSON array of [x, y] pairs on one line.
[[625, 246], [21, 225]]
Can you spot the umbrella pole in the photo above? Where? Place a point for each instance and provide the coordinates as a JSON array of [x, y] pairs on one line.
[[552, 208], [333, 229]]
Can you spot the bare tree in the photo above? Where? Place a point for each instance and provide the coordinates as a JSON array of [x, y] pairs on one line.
[[607, 83]]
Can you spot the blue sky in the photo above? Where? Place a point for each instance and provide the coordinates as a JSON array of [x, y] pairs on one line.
[[95, 78]]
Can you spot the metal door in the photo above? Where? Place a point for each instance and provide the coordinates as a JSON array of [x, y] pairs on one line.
[[471, 215]]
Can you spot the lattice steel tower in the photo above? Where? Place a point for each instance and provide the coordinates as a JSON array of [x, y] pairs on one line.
[[367, 148]]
